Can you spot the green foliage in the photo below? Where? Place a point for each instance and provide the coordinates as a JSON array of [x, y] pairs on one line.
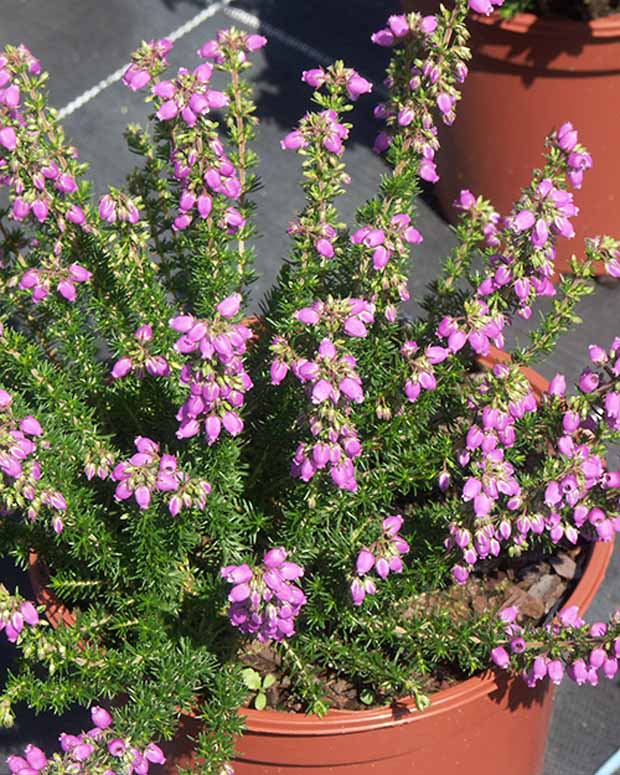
[[145, 587]]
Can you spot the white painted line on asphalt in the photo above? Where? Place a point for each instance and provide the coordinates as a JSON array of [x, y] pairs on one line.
[[238, 15], [250, 20], [313, 54], [180, 32]]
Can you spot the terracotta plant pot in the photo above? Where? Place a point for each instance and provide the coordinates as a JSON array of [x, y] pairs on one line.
[[529, 75], [487, 725]]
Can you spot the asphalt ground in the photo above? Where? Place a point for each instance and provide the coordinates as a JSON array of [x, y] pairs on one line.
[[83, 43]]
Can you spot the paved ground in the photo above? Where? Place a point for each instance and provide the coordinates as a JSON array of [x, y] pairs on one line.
[[82, 43]]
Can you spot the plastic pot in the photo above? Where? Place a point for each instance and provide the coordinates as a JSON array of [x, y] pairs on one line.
[[528, 75], [487, 725]]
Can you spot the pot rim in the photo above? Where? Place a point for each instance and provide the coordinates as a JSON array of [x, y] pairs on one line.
[[403, 711], [552, 26]]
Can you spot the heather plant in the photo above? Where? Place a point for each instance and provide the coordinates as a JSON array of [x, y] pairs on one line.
[[195, 481]]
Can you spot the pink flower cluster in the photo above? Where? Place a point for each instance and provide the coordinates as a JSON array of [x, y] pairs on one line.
[[322, 129], [422, 367], [352, 315], [39, 281], [485, 7], [14, 614], [218, 381], [264, 601], [231, 42], [117, 206], [149, 471], [332, 385], [141, 361], [581, 651], [146, 62], [384, 242], [433, 87], [22, 472], [200, 164], [385, 556], [477, 326], [400, 26], [491, 477], [355, 84], [95, 752]]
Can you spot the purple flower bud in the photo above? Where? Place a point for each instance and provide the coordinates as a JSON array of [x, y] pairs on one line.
[[588, 381], [230, 306], [143, 496], [167, 110], [315, 77], [308, 316], [356, 86], [121, 368], [29, 613], [365, 562], [293, 141], [35, 757], [31, 426], [557, 386], [358, 592], [101, 718], [232, 423], [152, 752], [500, 657], [523, 220]]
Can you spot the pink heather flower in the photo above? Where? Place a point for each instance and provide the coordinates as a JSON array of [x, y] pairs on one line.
[[230, 306], [484, 7], [428, 171], [35, 757], [76, 215], [466, 200], [383, 38], [365, 562], [101, 718], [135, 77], [254, 42], [8, 138], [121, 368], [67, 290], [40, 209], [405, 116], [107, 209], [315, 77], [398, 25], [500, 657], [308, 316], [232, 423], [204, 205], [79, 274], [356, 86], [278, 372], [523, 220], [167, 110], [567, 137], [557, 386], [30, 426], [428, 25], [540, 233], [588, 381], [29, 613], [66, 183]]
